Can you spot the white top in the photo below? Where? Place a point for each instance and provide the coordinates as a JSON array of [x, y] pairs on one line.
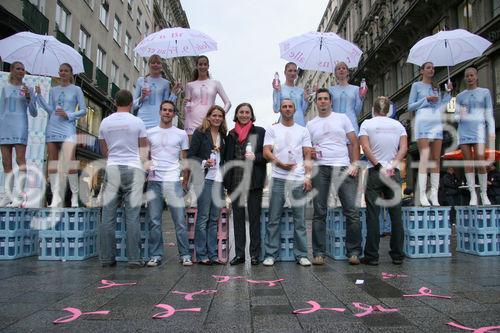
[[287, 145], [214, 173], [329, 136], [121, 131], [384, 135], [166, 146]]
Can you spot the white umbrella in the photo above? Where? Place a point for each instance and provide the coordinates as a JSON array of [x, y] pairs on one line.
[[175, 42], [40, 54], [448, 48], [320, 51]]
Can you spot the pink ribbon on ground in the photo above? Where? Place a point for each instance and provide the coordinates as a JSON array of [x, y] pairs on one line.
[[270, 283], [390, 275], [370, 309], [424, 291], [315, 307], [225, 278], [170, 244], [111, 284], [484, 329], [170, 311], [189, 296], [76, 313]]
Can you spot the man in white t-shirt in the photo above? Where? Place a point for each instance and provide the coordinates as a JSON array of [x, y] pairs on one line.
[[123, 142], [384, 142], [166, 143], [336, 154], [287, 146]]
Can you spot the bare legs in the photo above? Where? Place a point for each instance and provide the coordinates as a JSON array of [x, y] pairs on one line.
[[430, 154]]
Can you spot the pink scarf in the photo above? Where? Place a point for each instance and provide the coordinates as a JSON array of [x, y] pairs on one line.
[[242, 131]]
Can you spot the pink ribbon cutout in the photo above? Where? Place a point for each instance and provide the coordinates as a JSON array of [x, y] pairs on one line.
[[390, 275], [315, 307], [170, 311], [225, 278], [270, 283], [76, 313], [370, 309], [189, 296], [475, 330], [424, 291], [111, 284], [170, 244]]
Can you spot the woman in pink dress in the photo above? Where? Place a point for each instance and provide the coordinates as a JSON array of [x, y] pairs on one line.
[[200, 96]]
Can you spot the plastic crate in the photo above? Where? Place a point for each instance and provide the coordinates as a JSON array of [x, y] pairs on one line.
[[52, 246], [121, 225], [18, 244], [121, 248], [286, 234], [336, 221], [426, 218], [481, 243], [335, 246], [15, 219], [286, 221], [427, 244], [481, 217]]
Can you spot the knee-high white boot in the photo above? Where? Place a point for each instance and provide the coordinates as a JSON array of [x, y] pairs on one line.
[[471, 184], [55, 185], [5, 200], [20, 196], [483, 185], [73, 185], [422, 188], [434, 188]]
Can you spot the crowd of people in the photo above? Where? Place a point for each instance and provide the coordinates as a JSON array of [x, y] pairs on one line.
[[142, 145]]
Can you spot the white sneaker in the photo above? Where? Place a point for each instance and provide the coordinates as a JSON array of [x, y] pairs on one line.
[[303, 261], [155, 262], [187, 262], [268, 262]]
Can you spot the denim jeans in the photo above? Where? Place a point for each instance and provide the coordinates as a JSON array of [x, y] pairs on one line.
[[122, 184], [276, 201], [205, 236], [374, 187], [347, 191], [171, 193]]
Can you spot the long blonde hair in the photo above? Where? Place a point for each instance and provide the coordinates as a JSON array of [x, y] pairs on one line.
[[205, 125], [12, 67]]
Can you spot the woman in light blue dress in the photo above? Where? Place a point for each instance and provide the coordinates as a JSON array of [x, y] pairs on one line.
[[15, 102], [65, 106], [151, 90], [476, 128], [428, 103]]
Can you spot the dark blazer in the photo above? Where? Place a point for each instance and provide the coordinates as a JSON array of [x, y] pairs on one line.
[[256, 137]]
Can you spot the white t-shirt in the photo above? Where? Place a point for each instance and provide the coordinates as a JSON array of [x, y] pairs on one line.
[[329, 135], [214, 173], [121, 131], [384, 135], [166, 146], [287, 145]]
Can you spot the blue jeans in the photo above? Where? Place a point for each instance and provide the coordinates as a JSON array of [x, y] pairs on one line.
[[276, 201], [171, 193], [205, 235], [121, 184]]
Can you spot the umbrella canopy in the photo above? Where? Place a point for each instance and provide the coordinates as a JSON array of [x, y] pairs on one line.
[[175, 42], [320, 51], [448, 48], [40, 54], [457, 155]]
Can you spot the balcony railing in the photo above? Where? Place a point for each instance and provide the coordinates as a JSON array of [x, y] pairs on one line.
[[34, 18], [88, 66], [114, 90], [62, 38], [102, 80]]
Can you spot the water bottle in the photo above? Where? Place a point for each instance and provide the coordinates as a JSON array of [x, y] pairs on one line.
[[276, 81], [248, 149], [21, 91], [363, 89], [213, 157], [291, 158], [145, 85], [317, 149]]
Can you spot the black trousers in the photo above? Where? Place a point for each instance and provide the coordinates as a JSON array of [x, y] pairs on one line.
[[254, 205]]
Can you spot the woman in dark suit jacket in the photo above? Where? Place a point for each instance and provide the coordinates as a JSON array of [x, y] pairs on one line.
[[244, 146], [207, 148]]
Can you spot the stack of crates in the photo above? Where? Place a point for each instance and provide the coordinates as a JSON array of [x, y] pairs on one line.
[[478, 230], [17, 238], [286, 234], [427, 231], [222, 233], [121, 234], [67, 233], [336, 229]]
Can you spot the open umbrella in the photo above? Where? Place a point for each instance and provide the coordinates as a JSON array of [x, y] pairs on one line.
[[175, 42], [320, 51], [40, 54], [457, 155], [448, 48]]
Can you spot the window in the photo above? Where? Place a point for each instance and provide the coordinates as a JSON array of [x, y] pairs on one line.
[[104, 14], [117, 27], [146, 29], [89, 3], [496, 63], [129, 7], [387, 85], [399, 73], [126, 81], [467, 15], [114, 74], [496, 7], [101, 58], [136, 61], [127, 44], [63, 17], [40, 4], [84, 41], [139, 19]]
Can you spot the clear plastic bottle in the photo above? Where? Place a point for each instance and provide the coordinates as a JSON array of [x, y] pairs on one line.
[[146, 86], [213, 157], [291, 157], [363, 88], [248, 148], [276, 81], [317, 149]]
